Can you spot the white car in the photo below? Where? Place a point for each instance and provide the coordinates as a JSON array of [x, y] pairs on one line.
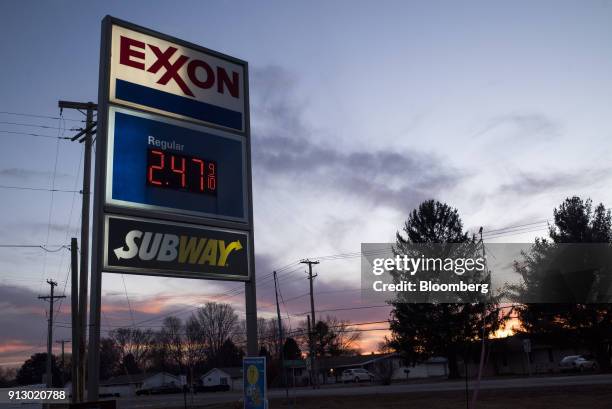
[[356, 375], [577, 363]]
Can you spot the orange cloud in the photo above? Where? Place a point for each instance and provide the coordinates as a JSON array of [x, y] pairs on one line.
[[12, 346]]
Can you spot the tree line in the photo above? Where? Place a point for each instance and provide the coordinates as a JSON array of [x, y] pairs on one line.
[[423, 330], [212, 336]]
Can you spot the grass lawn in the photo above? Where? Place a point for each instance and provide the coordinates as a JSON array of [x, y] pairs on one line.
[[572, 397]]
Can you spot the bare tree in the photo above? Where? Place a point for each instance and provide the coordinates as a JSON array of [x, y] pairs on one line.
[[134, 342], [267, 335], [171, 340], [333, 337], [195, 348], [218, 322], [346, 339], [385, 346]]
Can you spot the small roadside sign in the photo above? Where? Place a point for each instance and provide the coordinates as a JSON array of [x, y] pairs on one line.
[[255, 386]]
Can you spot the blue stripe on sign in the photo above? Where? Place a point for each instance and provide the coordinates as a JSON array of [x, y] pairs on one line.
[[166, 101]]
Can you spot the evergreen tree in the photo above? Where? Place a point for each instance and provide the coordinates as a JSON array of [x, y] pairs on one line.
[[32, 370], [422, 330], [291, 350], [585, 325]]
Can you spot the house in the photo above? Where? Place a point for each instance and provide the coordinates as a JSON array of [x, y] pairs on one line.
[[381, 365], [296, 372], [127, 385], [231, 376], [435, 366], [507, 356], [390, 366]]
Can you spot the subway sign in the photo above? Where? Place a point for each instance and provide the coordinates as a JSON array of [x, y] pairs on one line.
[[168, 77], [142, 246]]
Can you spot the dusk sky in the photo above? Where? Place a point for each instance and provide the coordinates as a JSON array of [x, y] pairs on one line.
[[359, 111]]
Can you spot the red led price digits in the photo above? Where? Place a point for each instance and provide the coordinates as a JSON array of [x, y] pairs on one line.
[[188, 173], [180, 171], [211, 179], [159, 156]]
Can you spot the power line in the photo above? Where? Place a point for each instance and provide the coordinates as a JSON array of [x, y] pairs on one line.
[[36, 246], [515, 233], [323, 292], [38, 116], [39, 189], [265, 279], [33, 134], [34, 125], [512, 227], [76, 182], [345, 309], [44, 268], [128, 299], [346, 325]]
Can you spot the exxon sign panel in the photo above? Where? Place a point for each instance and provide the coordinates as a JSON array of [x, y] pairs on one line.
[[151, 73]]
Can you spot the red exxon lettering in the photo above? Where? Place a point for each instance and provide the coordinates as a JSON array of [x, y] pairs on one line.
[[163, 60], [127, 51], [200, 73]]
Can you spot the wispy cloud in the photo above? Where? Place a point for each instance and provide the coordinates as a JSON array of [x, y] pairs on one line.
[[284, 147], [532, 183], [522, 125]]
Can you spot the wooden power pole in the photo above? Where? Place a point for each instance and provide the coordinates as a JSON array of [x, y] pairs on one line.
[[84, 136], [313, 349], [51, 298]]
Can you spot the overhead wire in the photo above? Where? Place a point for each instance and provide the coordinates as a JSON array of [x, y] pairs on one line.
[[34, 125], [44, 268], [28, 115]]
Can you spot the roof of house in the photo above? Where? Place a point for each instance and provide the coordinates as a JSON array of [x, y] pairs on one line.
[[233, 371], [515, 344], [351, 361], [131, 379]]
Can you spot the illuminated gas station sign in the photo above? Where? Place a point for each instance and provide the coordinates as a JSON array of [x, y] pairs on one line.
[[175, 156], [158, 163], [173, 193]]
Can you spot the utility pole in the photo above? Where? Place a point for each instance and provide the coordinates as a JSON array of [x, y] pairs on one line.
[[85, 135], [51, 298], [63, 341], [313, 348], [280, 340], [74, 306], [484, 327]]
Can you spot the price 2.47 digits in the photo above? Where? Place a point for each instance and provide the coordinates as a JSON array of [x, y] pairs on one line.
[[182, 172]]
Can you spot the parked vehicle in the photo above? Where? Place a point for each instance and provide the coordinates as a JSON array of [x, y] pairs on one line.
[[356, 375], [160, 390], [212, 388], [579, 363]]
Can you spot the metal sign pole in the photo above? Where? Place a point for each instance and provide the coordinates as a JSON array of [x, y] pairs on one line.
[[249, 287], [95, 293]]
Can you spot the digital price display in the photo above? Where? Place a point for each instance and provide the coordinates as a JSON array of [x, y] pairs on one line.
[[174, 171], [161, 164]]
